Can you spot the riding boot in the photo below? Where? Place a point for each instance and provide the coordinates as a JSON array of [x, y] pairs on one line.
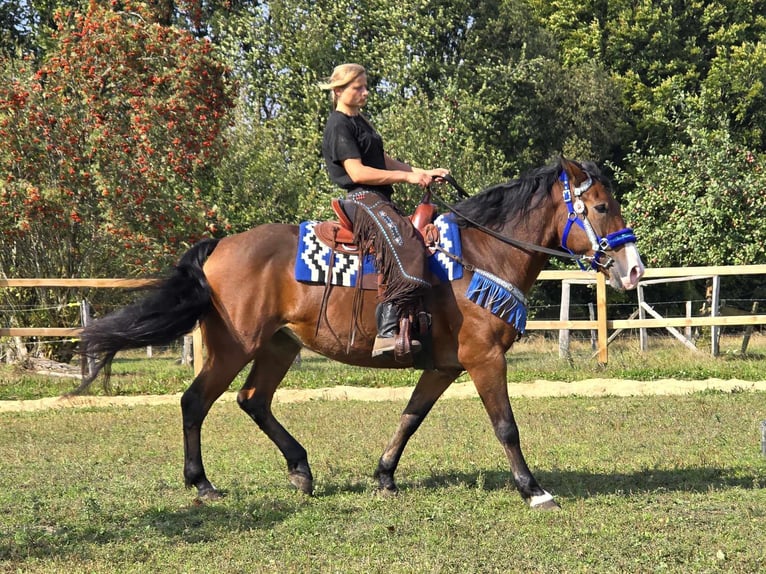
[[387, 321]]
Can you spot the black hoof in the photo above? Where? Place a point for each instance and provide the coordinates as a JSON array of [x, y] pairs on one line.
[[302, 482]]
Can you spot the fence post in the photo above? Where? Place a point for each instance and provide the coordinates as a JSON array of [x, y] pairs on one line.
[[642, 315], [564, 316], [197, 349], [715, 330], [87, 363], [688, 330], [748, 330], [603, 348], [593, 335], [186, 351]]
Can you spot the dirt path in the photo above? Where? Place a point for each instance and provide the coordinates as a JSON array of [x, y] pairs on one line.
[[588, 387]]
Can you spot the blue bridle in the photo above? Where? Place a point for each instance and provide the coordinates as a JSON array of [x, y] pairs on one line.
[[578, 216]]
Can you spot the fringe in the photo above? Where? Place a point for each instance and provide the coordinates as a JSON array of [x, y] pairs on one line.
[[398, 290], [499, 297]]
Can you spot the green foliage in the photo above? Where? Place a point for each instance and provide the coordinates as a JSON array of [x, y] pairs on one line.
[[735, 89], [15, 33], [699, 203], [477, 89]]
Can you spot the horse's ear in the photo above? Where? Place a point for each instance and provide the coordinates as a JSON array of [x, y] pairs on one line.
[[574, 170]]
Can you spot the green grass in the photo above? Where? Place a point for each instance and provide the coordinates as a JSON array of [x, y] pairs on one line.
[[532, 358], [647, 484]]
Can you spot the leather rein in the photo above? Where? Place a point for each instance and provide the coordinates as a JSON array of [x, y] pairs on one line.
[[577, 216]]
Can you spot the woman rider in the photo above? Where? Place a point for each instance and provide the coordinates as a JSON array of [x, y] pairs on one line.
[[355, 160]]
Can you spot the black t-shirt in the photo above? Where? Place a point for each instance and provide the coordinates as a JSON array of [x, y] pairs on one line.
[[349, 137]]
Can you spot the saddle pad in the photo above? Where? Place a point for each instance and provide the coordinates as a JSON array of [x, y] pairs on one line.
[[312, 262], [443, 267]]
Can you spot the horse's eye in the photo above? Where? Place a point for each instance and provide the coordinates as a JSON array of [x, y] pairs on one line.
[[601, 208]]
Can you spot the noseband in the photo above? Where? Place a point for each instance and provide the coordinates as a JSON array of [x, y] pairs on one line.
[[578, 216]]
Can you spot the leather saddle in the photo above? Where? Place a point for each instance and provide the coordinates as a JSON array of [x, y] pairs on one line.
[[339, 235]]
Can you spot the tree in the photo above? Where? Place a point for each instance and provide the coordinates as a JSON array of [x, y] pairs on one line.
[[105, 146], [735, 88], [477, 88], [702, 201]]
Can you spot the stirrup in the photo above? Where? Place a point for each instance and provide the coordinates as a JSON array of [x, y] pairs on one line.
[[383, 345], [388, 344]]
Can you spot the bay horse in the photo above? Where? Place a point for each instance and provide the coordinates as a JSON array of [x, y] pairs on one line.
[[242, 291]]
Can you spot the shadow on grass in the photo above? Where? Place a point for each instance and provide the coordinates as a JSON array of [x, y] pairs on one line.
[[207, 522], [193, 524], [200, 522], [584, 484]]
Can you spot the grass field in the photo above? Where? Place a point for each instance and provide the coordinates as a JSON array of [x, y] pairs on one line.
[[647, 483]]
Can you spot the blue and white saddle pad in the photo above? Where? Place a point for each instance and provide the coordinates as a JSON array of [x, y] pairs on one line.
[[312, 263]]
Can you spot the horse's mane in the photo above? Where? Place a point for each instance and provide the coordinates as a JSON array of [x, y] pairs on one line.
[[504, 202]]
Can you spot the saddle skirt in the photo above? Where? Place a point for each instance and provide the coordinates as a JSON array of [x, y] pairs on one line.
[[315, 253]]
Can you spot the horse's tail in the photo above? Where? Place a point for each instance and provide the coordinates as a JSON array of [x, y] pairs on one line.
[[169, 311]]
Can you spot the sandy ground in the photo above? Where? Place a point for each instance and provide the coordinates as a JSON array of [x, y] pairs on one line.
[[588, 387]]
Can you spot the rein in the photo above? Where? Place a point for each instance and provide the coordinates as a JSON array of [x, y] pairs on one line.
[[577, 215], [526, 246]]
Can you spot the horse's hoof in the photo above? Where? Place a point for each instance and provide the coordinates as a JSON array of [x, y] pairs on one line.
[[209, 494], [387, 491], [543, 502], [303, 483]]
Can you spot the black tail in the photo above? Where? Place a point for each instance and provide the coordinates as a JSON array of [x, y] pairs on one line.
[[168, 312]]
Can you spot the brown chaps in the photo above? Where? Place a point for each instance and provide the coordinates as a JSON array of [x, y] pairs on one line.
[[399, 253]]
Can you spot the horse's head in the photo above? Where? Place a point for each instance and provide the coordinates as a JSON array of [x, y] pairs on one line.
[[592, 225]]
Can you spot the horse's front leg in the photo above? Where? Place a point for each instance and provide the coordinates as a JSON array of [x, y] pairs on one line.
[[430, 387], [489, 377]]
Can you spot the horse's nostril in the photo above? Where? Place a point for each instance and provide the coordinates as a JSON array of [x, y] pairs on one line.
[[635, 274]]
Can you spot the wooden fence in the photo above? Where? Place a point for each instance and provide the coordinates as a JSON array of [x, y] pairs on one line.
[[601, 324]]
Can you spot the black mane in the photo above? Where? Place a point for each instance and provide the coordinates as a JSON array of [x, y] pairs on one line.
[[504, 202]]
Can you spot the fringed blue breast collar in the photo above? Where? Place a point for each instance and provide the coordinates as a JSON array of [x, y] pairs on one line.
[[502, 299]]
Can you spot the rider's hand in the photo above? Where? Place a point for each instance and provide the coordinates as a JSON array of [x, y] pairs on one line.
[[421, 178], [425, 177], [438, 173]]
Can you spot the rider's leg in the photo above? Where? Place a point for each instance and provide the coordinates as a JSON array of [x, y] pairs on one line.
[[387, 320]]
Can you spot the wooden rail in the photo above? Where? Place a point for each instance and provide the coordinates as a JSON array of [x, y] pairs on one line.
[[74, 331], [601, 324]]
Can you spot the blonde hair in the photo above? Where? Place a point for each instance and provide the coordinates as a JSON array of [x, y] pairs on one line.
[[341, 77]]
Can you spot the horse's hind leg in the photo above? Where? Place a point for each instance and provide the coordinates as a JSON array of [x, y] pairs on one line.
[[269, 368], [214, 378], [430, 387]]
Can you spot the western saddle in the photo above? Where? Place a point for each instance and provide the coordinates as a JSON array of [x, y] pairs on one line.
[[339, 234]]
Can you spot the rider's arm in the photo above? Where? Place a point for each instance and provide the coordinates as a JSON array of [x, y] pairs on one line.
[[392, 163], [365, 175], [395, 172]]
